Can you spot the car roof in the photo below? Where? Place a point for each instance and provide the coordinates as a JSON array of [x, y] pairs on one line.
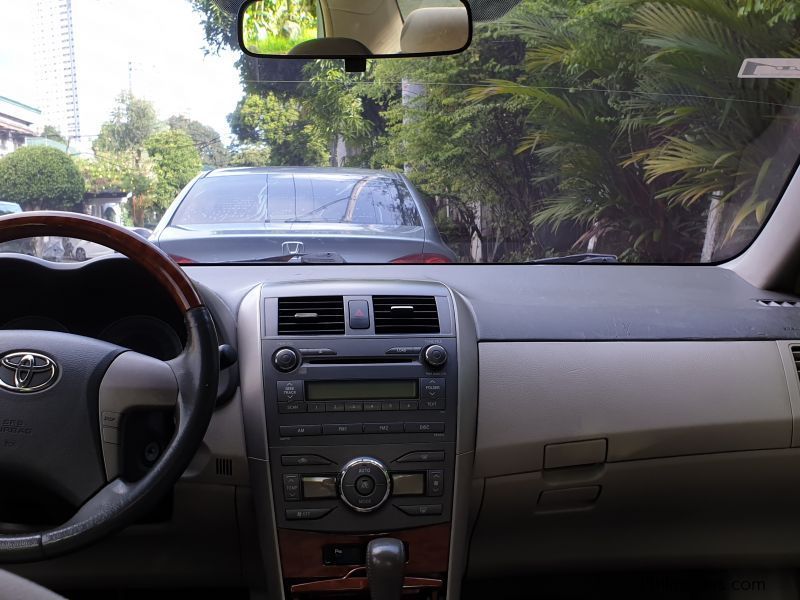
[[227, 172]]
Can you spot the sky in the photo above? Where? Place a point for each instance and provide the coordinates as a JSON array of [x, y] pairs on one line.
[[163, 41]]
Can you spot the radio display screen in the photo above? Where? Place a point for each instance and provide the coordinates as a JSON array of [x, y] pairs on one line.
[[381, 389]]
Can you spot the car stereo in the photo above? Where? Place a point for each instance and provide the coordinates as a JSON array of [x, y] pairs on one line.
[[362, 428]]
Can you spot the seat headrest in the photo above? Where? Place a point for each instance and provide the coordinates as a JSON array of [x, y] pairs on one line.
[[338, 46], [435, 30]]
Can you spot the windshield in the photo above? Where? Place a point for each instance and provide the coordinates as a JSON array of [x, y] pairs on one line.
[[651, 131], [296, 198]]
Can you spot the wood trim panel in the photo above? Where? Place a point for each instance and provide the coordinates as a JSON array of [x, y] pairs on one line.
[[166, 272], [301, 551], [359, 584]]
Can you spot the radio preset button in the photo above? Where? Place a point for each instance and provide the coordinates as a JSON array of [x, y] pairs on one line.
[[372, 406], [383, 428], [315, 407], [408, 405], [342, 429], [391, 405], [290, 391], [424, 427], [334, 407], [300, 430], [353, 406]]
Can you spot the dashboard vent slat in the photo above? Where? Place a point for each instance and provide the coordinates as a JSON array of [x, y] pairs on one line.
[[796, 356], [405, 314], [313, 315]]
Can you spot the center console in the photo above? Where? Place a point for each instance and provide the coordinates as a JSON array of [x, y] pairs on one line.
[[360, 409]]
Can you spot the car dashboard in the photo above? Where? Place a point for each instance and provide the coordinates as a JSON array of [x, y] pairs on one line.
[[569, 417]]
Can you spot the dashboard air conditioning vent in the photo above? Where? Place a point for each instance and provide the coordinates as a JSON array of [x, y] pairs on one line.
[[796, 355], [779, 303], [405, 314], [313, 315]]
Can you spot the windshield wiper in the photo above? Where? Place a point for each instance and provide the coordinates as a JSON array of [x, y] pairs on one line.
[[309, 258], [587, 258]]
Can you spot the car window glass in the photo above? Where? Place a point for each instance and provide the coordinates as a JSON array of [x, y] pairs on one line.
[[224, 200]]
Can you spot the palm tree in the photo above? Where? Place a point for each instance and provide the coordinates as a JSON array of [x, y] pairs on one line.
[[637, 110]]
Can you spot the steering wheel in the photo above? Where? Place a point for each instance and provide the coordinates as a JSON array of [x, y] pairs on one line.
[[62, 398]]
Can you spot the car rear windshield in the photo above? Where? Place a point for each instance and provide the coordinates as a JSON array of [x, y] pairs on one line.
[[289, 197]]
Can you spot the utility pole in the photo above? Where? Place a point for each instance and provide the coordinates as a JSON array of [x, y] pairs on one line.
[[130, 78]]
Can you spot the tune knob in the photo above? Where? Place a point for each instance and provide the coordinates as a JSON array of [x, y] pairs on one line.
[[364, 484], [435, 355], [286, 359]]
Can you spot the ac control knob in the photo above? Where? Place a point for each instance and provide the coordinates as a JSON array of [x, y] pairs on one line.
[[364, 484], [435, 355], [286, 359]]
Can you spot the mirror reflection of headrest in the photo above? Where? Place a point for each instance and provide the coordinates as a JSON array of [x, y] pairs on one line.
[[435, 30], [334, 46]]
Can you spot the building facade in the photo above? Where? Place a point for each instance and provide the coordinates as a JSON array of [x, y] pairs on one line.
[[57, 77], [18, 122]]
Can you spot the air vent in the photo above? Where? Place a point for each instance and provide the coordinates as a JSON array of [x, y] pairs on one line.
[[796, 355], [405, 314], [317, 315], [779, 303], [224, 467]]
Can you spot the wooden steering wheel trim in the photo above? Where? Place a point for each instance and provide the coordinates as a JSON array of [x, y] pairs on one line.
[[92, 229]]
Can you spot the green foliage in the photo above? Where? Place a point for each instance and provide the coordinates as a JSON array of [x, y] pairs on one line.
[[608, 124], [277, 26], [776, 10], [290, 136], [51, 133], [133, 120], [176, 162], [39, 177], [114, 172], [251, 155], [212, 152]]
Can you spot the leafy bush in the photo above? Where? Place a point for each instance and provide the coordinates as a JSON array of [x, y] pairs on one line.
[[39, 177]]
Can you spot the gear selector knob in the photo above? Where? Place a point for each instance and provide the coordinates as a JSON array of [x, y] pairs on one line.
[[386, 559]]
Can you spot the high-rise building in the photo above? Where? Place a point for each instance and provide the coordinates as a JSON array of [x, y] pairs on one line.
[[56, 75]]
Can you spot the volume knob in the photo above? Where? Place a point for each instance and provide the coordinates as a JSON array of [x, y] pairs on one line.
[[286, 359], [435, 355]]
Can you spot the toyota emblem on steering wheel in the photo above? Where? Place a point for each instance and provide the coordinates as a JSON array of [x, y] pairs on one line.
[[26, 372]]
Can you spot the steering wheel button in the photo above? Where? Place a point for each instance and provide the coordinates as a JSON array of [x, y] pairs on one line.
[[110, 419], [111, 435]]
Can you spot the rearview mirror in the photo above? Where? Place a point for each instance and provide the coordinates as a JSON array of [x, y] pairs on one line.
[[354, 28]]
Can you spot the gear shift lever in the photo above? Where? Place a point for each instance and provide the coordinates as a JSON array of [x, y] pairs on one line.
[[386, 558]]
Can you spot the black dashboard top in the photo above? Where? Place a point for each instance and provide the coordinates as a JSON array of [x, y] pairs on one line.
[[564, 302]]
